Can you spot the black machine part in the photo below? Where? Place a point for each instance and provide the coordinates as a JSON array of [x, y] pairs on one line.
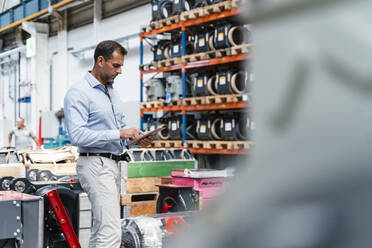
[[159, 50], [163, 155], [155, 10], [199, 84], [164, 134], [216, 129], [182, 5], [178, 198], [244, 127], [175, 128], [202, 3], [229, 35], [53, 236], [34, 175], [176, 48], [22, 185], [165, 8], [230, 81], [203, 128], [5, 182], [181, 154], [202, 40]]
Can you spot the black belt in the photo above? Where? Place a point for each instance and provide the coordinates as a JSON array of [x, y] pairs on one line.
[[117, 158]]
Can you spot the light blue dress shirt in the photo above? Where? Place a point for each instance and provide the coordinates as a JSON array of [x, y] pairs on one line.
[[93, 118]]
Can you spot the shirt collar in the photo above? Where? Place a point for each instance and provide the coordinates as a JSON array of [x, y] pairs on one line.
[[93, 82]]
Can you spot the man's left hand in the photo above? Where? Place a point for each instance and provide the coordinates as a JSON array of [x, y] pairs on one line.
[[147, 141]]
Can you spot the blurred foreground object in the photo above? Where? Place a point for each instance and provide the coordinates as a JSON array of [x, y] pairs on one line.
[[309, 182]]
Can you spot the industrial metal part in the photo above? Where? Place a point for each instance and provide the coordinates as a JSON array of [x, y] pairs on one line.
[[5, 182], [228, 34], [21, 217], [175, 198], [203, 128], [52, 230], [153, 231], [155, 89], [173, 87]]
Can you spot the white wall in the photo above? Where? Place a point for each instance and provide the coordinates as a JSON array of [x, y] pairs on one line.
[[127, 84], [68, 69]]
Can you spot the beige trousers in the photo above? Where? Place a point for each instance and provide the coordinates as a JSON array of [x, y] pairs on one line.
[[100, 179]]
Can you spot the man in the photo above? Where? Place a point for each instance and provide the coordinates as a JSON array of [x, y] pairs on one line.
[[23, 136], [96, 124]]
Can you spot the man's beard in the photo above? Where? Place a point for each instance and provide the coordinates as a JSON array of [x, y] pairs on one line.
[[107, 79]]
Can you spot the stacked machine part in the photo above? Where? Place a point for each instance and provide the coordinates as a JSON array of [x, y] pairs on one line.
[[142, 170], [203, 83]]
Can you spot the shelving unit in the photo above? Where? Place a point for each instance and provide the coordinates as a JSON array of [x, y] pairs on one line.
[[184, 67]]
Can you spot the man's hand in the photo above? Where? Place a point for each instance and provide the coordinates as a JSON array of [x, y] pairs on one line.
[[130, 133], [133, 133], [147, 141]]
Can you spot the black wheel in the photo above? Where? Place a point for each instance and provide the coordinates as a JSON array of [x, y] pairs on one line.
[[32, 175], [5, 183]]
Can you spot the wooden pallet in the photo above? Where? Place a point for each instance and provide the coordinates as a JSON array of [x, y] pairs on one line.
[[194, 100], [174, 102], [241, 145], [230, 145], [172, 20], [197, 144], [138, 197], [144, 184], [148, 67], [138, 209], [165, 22], [241, 49], [222, 99], [167, 143], [145, 28], [238, 3], [217, 8], [221, 52], [197, 57], [153, 104], [193, 14], [243, 98], [169, 62]]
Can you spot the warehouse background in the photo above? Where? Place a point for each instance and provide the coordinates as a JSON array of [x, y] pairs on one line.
[[41, 59], [70, 54]]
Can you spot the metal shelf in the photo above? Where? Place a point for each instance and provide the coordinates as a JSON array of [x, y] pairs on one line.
[[202, 63], [194, 22], [201, 107]]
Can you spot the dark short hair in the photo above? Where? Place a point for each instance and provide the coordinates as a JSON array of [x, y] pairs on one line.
[[106, 48]]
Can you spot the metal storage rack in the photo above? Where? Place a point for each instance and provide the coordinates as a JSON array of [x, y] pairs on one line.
[[183, 67]]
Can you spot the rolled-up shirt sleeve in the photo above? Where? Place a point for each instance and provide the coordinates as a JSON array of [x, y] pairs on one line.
[[76, 110]]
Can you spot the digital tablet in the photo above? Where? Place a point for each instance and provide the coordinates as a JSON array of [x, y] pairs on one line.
[[147, 134]]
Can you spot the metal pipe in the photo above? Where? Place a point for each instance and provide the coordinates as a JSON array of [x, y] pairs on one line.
[[19, 83], [51, 81], [2, 95], [141, 81], [10, 52], [15, 93]]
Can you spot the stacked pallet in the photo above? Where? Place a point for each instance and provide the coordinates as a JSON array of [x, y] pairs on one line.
[[138, 189], [61, 161], [229, 145]]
